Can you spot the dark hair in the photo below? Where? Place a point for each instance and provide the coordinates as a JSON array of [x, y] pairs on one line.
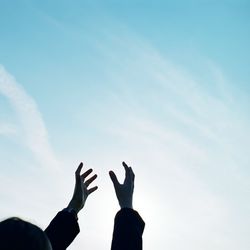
[[17, 234]]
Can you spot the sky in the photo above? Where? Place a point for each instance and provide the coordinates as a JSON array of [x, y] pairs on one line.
[[161, 85]]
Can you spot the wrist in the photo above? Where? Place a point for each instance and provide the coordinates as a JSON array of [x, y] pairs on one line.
[[127, 204], [73, 206], [71, 211]]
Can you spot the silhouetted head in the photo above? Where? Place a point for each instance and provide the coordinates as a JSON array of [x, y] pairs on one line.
[[17, 234]]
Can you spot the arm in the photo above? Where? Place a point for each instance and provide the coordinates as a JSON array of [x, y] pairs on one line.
[[128, 226], [63, 229]]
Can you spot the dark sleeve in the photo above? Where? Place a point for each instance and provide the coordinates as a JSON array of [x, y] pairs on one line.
[[128, 230], [62, 230]]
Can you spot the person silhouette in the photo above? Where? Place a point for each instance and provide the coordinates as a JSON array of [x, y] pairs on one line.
[[17, 234]]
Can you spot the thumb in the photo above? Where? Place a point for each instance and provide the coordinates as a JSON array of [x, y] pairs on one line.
[[113, 178]]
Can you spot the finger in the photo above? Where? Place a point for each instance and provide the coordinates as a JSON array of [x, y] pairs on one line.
[[113, 178], [86, 173], [78, 170], [89, 181], [125, 165], [91, 190], [126, 170], [132, 175]]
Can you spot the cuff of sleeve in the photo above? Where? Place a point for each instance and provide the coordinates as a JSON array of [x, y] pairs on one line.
[[129, 215], [71, 211]]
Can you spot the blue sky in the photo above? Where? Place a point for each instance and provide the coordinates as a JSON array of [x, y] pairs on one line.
[[163, 85]]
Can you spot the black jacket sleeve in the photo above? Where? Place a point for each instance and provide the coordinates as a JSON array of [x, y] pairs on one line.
[[62, 230], [128, 230]]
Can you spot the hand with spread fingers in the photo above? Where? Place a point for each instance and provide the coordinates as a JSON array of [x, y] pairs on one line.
[[81, 191], [124, 192]]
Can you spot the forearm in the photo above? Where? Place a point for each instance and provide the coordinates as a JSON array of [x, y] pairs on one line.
[[128, 230], [62, 230]]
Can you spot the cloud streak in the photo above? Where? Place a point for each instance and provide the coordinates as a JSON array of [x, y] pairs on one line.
[[7, 129], [35, 135]]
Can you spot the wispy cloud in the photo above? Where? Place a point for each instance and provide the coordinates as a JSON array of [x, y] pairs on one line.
[[34, 135], [7, 129]]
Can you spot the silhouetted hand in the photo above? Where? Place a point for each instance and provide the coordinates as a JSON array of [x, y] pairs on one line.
[[81, 191], [124, 192]]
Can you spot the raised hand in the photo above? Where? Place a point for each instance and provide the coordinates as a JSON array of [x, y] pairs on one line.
[[124, 192], [81, 191]]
